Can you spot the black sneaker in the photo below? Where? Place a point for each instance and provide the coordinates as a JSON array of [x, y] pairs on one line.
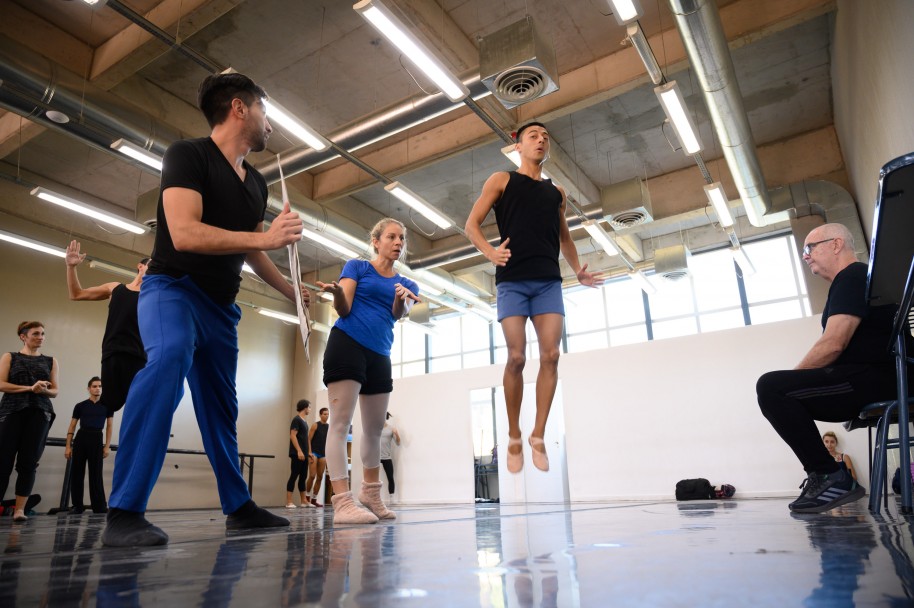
[[825, 492], [811, 481]]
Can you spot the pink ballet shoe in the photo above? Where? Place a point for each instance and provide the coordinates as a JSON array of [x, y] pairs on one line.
[[370, 496], [538, 450], [515, 461], [345, 511]]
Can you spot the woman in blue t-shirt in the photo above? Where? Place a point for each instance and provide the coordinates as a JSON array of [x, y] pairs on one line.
[[369, 298]]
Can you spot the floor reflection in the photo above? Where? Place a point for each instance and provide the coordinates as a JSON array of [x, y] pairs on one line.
[[844, 542], [746, 552]]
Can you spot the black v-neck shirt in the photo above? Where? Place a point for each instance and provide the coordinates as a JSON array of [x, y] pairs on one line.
[[228, 203]]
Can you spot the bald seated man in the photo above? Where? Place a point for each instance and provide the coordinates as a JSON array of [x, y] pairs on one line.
[[848, 367]]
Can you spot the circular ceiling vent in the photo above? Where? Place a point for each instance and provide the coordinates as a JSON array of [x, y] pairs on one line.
[[520, 84], [675, 275], [627, 219], [151, 223]]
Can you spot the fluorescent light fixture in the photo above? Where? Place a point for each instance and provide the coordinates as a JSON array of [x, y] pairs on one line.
[[718, 198], [597, 233], [74, 205], [643, 282], [625, 10], [745, 264], [643, 48], [321, 327], [674, 106], [415, 201], [284, 317], [390, 26], [485, 312], [137, 153], [320, 238], [427, 290], [247, 268], [285, 119], [36, 245], [124, 272], [427, 330], [513, 155], [445, 285]]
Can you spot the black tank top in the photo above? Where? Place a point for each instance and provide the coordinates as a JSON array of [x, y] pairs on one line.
[[122, 332], [26, 370], [528, 214], [319, 441]]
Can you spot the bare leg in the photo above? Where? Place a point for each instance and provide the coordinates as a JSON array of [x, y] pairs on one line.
[[318, 477], [548, 329], [514, 329]]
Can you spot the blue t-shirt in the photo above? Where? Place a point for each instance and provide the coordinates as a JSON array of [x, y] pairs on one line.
[[90, 415], [370, 322]]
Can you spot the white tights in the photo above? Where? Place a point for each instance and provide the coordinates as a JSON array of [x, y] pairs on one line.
[[343, 396]]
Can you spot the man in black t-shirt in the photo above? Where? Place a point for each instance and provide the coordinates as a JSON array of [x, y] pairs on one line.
[[122, 348], [847, 368], [530, 213], [87, 448], [299, 454], [210, 221]]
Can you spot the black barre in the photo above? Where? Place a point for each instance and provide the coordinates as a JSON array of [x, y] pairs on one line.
[[65, 490]]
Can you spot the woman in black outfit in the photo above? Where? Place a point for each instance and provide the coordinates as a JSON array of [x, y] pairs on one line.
[[28, 381]]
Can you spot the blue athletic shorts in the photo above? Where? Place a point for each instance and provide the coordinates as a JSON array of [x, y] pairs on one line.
[[529, 298]]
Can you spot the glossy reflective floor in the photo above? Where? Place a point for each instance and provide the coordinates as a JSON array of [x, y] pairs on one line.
[[733, 553]]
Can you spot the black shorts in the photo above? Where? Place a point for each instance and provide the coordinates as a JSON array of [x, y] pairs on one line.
[[346, 359]]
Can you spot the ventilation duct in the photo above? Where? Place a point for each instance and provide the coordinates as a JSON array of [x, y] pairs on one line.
[[146, 206], [626, 204], [672, 263], [32, 86], [517, 65]]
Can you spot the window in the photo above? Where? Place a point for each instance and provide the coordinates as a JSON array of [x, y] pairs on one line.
[[712, 297]]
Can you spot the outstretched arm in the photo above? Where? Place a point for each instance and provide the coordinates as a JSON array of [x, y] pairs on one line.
[[570, 252], [73, 259], [342, 292]]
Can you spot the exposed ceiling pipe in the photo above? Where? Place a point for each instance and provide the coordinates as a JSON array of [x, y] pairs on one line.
[[444, 255], [702, 34], [374, 128], [30, 85]]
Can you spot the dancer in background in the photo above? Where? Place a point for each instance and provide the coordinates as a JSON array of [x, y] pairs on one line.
[[317, 436], [388, 435], [88, 447], [28, 381], [299, 454], [123, 354], [369, 298]]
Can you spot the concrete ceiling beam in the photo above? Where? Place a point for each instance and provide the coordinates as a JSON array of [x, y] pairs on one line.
[[125, 53], [744, 21]]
